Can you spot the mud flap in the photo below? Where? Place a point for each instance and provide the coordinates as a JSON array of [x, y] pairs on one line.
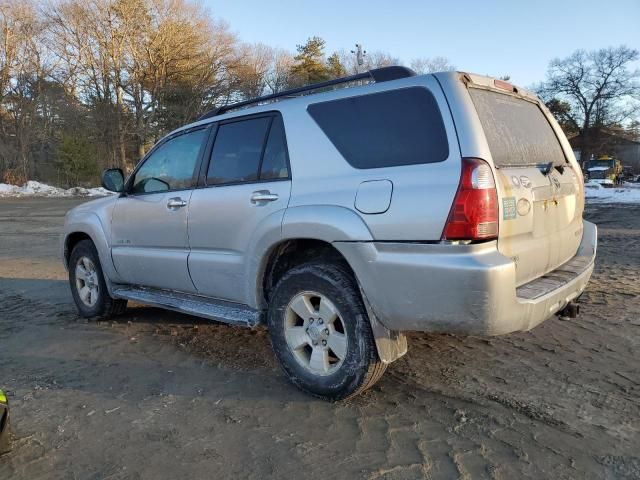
[[391, 344], [5, 431]]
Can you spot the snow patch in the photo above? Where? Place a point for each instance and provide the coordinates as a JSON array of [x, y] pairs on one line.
[[37, 189], [625, 193]]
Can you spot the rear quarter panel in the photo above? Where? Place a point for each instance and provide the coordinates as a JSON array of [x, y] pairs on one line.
[[421, 194]]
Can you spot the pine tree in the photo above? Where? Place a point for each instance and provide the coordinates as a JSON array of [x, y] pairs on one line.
[[335, 68], [310, 66]]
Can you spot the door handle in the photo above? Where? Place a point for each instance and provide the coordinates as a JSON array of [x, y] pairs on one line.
[[263, 196], [176, 202]]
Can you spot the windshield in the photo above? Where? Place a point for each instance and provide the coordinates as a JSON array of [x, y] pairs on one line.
[[601, 163], [517, 131]]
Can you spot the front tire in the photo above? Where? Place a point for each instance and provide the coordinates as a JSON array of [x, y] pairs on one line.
[[88, 286], [321, 334]]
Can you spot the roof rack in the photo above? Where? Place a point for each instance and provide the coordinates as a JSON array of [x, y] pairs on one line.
[[378, 75]]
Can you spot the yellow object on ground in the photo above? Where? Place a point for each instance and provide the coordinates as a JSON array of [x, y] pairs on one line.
[[5, 441]]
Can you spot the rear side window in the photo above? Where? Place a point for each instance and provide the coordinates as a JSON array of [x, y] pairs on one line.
[[237, 151], [517, 131], [387, 129], [274, 162]]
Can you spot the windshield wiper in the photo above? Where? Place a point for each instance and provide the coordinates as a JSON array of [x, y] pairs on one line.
[[545, 168]]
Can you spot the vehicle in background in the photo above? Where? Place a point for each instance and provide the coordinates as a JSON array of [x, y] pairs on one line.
[[343, 217], [605, 170]]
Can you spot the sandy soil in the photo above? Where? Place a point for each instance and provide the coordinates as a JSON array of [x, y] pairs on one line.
[[158, 395]]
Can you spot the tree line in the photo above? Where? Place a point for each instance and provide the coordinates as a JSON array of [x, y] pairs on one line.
[[89, 84]]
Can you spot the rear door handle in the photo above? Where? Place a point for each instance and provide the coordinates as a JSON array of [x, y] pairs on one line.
[[263, 196], [176, 202]]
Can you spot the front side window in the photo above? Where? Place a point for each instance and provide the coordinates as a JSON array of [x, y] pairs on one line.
[[386, 129], [171, 166]]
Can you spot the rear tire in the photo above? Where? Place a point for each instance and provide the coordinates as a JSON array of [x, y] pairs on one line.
[[88, 286], [321, 334]]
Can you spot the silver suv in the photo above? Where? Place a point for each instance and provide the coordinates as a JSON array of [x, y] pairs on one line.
[[343, 217]]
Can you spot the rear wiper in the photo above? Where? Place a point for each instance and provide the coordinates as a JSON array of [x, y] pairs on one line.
[[545, 168]]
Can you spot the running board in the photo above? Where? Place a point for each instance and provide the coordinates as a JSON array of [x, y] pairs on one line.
[[210, 308]]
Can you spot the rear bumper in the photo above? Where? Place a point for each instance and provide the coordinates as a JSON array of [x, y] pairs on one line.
[[468, 289]]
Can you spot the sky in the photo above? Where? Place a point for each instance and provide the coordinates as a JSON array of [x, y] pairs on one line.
[[493, 37]]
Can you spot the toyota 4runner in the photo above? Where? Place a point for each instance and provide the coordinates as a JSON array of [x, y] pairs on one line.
[[343, 217]]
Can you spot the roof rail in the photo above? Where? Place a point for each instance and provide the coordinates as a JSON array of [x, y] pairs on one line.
[[378, 75]]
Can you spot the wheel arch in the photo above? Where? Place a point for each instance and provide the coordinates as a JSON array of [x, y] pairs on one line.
[[70, 241], [307, 230], [290, 253], [287, 254], [89, 227]]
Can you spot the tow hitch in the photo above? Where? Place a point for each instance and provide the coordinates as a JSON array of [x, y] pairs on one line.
[[572, 310]]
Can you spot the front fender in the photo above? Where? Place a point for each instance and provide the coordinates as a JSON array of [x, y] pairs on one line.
[[91, 225]]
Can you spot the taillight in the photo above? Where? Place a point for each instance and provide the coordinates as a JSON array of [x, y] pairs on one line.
[[474, 214]]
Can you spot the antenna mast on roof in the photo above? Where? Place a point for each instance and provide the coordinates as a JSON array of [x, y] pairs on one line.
[[360, 54]]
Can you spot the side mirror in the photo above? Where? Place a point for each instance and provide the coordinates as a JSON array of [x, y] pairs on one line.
[[113, 180]]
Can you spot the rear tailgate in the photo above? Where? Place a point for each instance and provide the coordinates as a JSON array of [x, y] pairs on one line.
[[540, 194]]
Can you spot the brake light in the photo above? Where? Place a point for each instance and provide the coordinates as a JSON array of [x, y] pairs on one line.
[[474, 214], [503, 85]]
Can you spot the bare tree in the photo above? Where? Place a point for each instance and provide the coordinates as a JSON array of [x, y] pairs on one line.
[[595, 89], [89, 40], [144, 66], [279, 76], [431, 65], [375, 59], [251, 69], [24, 64]]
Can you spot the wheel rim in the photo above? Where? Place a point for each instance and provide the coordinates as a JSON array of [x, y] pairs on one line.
[[315, 333], [87, 283]]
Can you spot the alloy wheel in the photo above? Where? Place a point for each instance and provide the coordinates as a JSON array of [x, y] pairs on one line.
[[315, 333], [87, 283]]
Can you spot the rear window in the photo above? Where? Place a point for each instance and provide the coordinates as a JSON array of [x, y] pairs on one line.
[[517, 131], [387, 129]]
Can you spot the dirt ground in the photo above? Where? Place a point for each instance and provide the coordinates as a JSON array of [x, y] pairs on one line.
[[157, 395]]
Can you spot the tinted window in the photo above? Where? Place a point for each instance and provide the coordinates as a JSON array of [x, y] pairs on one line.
[[171, 165], [399, 127], [517, 131], [274, 162], [237, 151]]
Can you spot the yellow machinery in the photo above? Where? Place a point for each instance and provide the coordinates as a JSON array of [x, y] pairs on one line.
[[605, 170]]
